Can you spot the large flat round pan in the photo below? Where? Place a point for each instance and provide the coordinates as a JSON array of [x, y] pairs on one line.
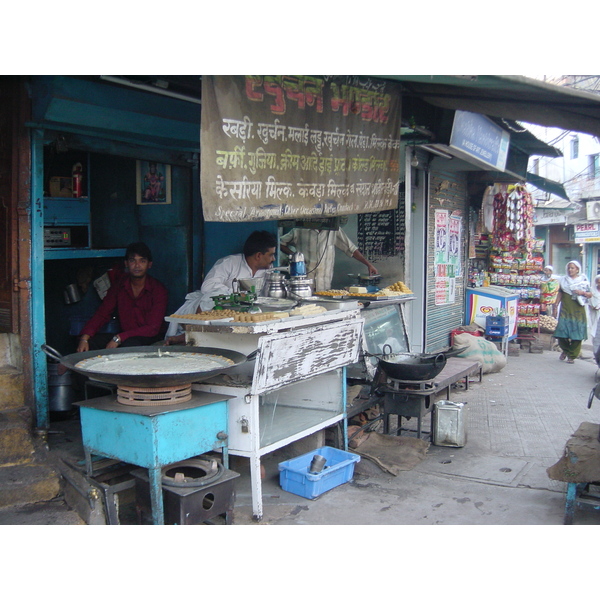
[[90, 363]]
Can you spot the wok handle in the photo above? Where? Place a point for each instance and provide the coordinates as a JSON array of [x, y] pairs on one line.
[[595, 392], [440, 359], [388, 352], [52, 353], [252, 355]]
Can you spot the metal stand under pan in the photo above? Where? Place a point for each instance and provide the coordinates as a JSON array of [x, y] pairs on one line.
[[398, 385], [140, 396]]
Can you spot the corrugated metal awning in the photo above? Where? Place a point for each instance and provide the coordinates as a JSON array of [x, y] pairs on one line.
[[509, 97]]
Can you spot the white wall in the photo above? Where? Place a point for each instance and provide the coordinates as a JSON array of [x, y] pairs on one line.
[[573, 173]]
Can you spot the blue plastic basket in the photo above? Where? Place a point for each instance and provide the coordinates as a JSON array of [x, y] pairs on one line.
[[339, 468]]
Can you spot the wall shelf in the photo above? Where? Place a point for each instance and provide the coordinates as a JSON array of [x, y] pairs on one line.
[[61, 253]]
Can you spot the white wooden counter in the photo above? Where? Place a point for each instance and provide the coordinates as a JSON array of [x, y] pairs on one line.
[[296, 386]]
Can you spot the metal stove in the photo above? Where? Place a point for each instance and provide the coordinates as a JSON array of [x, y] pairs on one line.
[[153, 428], [194, 492], [403, 398]]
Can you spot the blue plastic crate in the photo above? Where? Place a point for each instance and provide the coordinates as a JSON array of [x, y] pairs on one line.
[[295, 478], [496, 321], [495, 331]]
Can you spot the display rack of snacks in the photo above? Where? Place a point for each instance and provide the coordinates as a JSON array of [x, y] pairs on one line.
[[516, 259]]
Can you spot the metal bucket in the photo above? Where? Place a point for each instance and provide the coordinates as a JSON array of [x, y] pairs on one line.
[[449, 424], [61, 394]]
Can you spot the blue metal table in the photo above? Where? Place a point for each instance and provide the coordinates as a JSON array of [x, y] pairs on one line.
[[154, 436]]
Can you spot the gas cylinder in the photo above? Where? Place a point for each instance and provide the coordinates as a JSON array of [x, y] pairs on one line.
[[77, 180]]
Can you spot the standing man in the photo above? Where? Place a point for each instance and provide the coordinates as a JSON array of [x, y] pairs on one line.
[[140, 301], [318, 247], [257, 257]]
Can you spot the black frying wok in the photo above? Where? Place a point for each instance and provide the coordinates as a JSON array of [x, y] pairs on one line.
[[411, 367], [150, 380]]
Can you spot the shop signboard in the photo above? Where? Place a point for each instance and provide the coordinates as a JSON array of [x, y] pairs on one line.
[[479, 138], [549, 216], [289, 147], [587, 233]]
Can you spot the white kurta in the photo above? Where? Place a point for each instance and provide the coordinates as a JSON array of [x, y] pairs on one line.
[[219, 280], [318, 247]]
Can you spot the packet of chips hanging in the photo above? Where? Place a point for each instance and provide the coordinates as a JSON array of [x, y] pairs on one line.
[[549, 291]]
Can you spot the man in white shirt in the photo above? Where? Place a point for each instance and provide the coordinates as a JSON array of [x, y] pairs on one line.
[[318, 247], [256, 258]]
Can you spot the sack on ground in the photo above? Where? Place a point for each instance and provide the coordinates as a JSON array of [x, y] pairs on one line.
[[481, 350]]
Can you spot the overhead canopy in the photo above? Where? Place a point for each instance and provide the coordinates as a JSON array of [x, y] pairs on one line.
[[552, 187], [509, 97]]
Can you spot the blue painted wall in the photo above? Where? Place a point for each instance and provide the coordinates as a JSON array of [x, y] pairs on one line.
[[221, 239], [116, 126]]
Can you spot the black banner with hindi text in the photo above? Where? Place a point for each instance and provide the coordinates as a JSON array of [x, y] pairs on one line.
[[288, 147]]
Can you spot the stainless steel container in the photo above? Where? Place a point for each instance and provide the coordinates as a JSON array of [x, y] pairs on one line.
[[274, 285], [61, 394], [301, 287], [449, 427]]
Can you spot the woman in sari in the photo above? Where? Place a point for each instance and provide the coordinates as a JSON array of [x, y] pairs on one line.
[[571, 329]]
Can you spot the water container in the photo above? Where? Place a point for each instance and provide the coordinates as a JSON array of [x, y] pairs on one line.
[[449, 424], [61, 394]]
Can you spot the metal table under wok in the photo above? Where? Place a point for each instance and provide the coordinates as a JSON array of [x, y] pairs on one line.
[[154, 436], [415, 399]]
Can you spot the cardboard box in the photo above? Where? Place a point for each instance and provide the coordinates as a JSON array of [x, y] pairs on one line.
[[61, 187]]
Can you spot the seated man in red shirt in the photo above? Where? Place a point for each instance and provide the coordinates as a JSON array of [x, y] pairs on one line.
[[141, 304]]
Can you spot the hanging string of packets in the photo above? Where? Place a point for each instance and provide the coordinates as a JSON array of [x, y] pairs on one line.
[[513, 219]]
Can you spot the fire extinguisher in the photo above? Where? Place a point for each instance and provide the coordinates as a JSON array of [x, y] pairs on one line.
[[77, 180]]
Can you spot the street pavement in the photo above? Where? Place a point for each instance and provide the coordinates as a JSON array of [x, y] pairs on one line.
[[517, 422]]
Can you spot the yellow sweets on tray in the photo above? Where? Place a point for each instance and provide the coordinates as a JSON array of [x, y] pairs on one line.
[[332, 293], [259, 317], [399, 288], [208, 315]]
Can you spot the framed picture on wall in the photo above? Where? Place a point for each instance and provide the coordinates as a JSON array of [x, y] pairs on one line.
[[153, 182]]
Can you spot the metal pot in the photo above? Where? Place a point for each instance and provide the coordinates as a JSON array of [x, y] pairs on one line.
[[412, 367], [300, 287], [274, 285], [151, 380]]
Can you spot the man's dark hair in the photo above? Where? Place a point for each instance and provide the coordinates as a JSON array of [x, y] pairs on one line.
[[259, 241], [140, 249]]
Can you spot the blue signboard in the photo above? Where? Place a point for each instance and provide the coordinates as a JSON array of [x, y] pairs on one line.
[[480, 138]]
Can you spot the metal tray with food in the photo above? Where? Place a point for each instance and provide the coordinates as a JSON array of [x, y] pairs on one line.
[[332, 295], [274, 303], [187, 320]]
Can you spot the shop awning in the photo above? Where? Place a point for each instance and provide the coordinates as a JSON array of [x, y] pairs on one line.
[[552, 187], [525, 140], [508, 97]]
